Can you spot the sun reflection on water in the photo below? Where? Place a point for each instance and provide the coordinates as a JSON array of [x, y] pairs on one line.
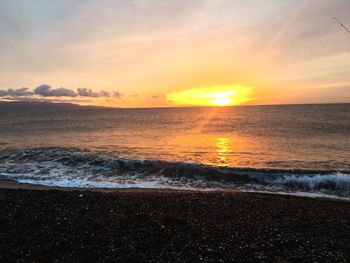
[[223, 149]]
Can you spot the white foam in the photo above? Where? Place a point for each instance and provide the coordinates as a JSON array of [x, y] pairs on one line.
[[82, 170], [85, 184], [337, 181]]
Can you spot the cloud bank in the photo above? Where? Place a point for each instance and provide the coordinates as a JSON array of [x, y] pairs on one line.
[[46, 91], [16, 92]]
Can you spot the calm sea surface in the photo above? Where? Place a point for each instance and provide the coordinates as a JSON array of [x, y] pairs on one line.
[[312, 140]]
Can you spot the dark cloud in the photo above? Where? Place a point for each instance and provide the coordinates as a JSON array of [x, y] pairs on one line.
[[84, 92], [48, 99], [47, 91], [16, 92]]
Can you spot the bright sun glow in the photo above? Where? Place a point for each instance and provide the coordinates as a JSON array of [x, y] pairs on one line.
[[223, 98], [213, 96], [222, 102]]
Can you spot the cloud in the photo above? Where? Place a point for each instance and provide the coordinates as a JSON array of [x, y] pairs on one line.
[[47, 91], [84, 92], [48, 99], [117, 94], [21, 92], [158, 96]]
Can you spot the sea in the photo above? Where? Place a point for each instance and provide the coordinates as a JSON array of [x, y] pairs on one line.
[[283, 149]]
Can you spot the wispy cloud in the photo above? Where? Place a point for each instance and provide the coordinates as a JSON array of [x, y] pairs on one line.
[[158, 96]]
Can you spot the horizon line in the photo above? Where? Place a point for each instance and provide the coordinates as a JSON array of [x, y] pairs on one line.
[[187, 106]]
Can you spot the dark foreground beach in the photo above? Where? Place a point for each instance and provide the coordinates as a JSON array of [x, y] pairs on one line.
[[167, 226]]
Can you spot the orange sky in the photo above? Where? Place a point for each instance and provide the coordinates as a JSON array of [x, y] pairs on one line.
[[154, 53]]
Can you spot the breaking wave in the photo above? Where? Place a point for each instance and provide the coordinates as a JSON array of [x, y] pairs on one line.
[[69, 167]]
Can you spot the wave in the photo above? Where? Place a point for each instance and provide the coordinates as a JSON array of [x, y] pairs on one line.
[[71, 167]]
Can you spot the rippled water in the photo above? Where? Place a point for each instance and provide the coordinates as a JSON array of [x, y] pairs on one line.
[[300, 147]]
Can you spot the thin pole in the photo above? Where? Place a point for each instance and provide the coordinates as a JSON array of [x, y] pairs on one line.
[[341, 24]]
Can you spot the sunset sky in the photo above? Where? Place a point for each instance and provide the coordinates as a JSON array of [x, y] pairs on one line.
[[152, 53]]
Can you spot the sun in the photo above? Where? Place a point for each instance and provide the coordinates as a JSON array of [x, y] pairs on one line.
[[222, 102], [223, 98], [212, 96]]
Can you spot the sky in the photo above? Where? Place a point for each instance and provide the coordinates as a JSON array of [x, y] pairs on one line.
[[157, 53]]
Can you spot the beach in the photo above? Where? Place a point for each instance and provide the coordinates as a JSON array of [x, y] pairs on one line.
[[175, 131], [134, 225]]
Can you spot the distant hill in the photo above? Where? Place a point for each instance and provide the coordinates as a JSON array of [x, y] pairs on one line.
[[5, 105]]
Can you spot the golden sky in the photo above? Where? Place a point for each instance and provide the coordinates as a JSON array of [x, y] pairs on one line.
[[155, 53]]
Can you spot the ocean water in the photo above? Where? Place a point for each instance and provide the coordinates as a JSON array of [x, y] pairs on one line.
[[303, 149]]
